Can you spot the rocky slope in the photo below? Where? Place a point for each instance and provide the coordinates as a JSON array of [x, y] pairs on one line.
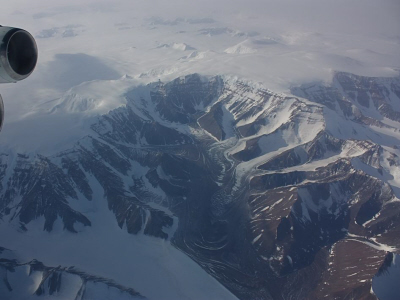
[[275, 196]]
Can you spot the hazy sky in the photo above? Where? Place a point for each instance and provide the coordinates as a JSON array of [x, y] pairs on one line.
[[366, 32], [356, 16]]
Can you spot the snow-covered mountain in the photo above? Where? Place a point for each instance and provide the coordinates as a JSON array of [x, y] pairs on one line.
[[275, 196]]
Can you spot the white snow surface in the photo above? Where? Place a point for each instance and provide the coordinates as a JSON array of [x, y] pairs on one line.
[[151, 266], [241, 48], [91, 53], [280, 44]]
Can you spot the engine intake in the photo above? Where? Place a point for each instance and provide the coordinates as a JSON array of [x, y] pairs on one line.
[[18, 54], [18, 57]]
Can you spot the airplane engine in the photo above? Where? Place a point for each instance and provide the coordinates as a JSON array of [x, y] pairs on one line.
[[18, 57], [18, 54]]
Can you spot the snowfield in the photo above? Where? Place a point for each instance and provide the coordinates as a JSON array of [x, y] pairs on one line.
[[275, 130]]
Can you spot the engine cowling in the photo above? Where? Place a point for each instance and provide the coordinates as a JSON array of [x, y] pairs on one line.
[[18, 54], [18, 57]]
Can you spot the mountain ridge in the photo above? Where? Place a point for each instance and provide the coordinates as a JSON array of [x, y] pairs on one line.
[[262, 190]]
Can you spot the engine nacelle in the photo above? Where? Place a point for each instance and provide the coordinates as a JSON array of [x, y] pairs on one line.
[[18, 57], [18, 54]]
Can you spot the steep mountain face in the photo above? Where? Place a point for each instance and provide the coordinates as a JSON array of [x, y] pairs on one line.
[[275, 196]]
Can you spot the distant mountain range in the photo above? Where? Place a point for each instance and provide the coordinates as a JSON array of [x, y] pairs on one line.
[[275, 196]]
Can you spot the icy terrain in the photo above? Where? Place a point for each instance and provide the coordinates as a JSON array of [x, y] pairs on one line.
[[274, 174], [256, 187], [80, 42]]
